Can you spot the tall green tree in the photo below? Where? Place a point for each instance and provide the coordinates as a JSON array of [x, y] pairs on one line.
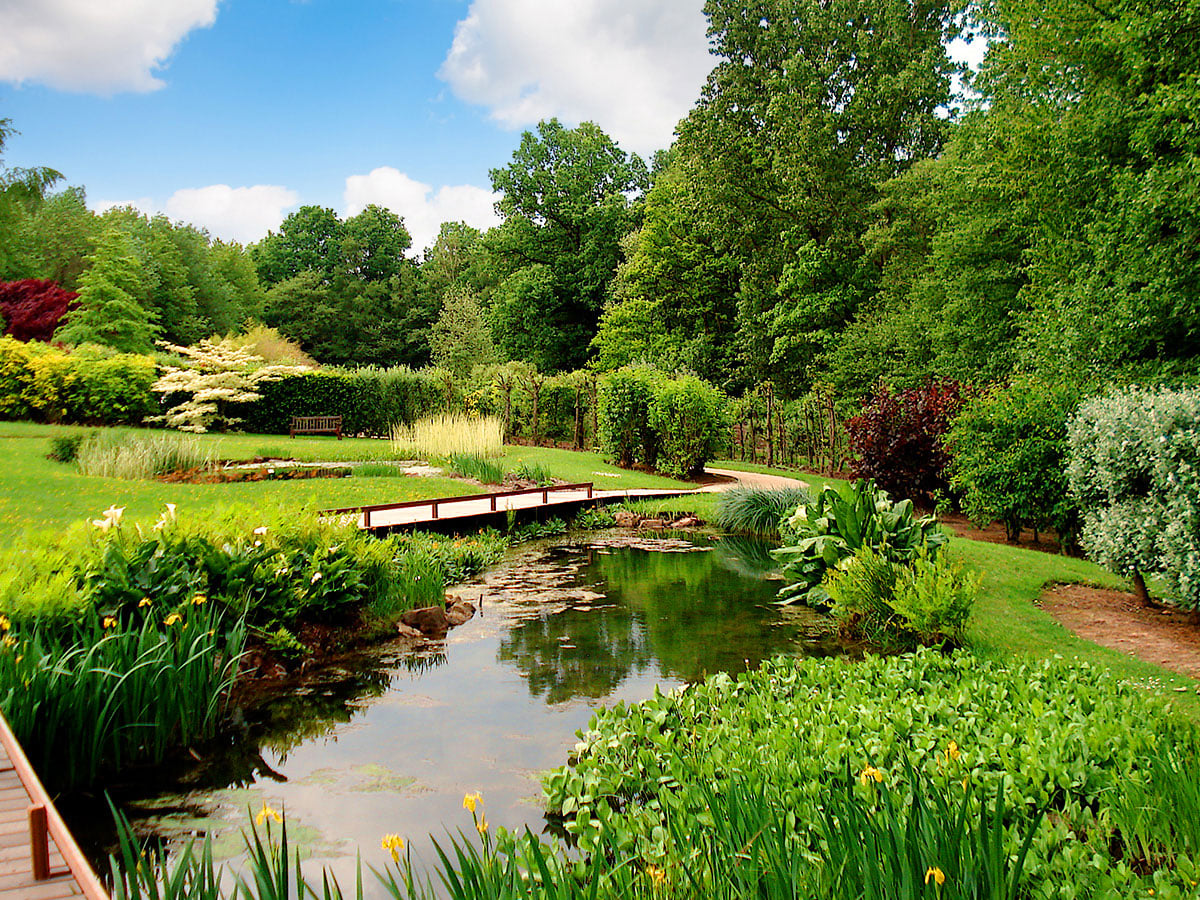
[[812, 105], [567, 197], [308, 240], [108, 311], [460, 339]]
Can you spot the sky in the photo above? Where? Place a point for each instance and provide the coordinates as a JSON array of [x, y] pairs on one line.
[[229, 114]]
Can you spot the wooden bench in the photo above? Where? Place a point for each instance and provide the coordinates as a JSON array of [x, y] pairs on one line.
[[317, 425]]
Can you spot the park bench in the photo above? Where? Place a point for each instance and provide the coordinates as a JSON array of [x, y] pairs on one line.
[[317, 425]]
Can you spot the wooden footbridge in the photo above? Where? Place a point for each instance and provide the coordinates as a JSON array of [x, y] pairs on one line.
[[473, 511], [39, 860]]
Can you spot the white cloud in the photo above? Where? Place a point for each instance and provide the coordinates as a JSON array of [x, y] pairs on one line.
[[95, 46], [144, 205], [633, 67], [241, 214], [422, 209]]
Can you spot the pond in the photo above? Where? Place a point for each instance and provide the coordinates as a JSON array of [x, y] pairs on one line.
[[390, 742]]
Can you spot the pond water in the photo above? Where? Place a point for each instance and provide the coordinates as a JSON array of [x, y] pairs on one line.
[[390, 742]]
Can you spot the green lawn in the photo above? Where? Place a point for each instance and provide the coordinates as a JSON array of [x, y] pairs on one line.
[[37, 493]]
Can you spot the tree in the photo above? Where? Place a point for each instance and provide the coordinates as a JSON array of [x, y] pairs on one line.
[[460, 338], [812, 105], [568, 197], [221, 374], [109, 312], [33, 309], [308, 240], [373, 244], [21, 193]]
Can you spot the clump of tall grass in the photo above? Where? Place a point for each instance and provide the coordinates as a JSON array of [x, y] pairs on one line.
[[757, 511], [468, 465], [379, 470], [534, 472], [120, 693], [448, 435], [116, 454]]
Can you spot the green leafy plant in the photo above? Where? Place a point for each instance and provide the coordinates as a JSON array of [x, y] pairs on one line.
[[758, 511], [623, 401], [535, 472], [934, 595], [690, 418], [64, 448], [468, 465], [838, 521]]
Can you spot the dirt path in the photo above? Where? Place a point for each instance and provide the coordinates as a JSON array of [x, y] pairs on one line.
[[1157, 634], [749, 479]]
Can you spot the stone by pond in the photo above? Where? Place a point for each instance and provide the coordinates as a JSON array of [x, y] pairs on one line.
[[390, 742]]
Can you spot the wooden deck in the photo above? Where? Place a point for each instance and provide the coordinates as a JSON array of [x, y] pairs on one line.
[[472, 510], [34, 841]]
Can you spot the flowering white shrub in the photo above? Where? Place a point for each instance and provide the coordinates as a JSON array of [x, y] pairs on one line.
[[1134, 467], [220, 374]]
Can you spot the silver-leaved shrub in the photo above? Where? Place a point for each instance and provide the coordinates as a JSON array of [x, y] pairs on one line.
[[1134, 468]]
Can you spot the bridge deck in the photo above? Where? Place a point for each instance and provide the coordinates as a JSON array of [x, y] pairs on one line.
[[68, 873]]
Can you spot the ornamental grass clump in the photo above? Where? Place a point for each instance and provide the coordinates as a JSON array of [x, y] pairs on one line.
[[141, 455], [449, 435], [758, 511], [468, 465]]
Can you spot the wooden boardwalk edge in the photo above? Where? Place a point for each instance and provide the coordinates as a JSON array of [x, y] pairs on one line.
[[44, 863]]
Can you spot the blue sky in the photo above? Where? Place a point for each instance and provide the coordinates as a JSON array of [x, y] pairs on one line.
[[229, 114]]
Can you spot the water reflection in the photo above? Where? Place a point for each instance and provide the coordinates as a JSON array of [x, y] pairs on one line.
[[387, 743]]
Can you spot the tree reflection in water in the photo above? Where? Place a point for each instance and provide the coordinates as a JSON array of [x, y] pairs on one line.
[[685, 609]]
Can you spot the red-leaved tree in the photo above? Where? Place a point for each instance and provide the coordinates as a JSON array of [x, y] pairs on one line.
[[32, 308], [897, 438]]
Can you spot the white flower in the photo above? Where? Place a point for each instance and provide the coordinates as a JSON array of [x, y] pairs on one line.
[[114, 513], [316, 577], [261, 529], [102, 524]]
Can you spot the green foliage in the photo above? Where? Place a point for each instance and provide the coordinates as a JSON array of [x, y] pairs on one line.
[[818, 536], [568, 197], [460, 339], [861, 589], [90, 384], [470, 466], [623, 401], [758, 511], [65, 447], [535, 472], [1024, 736], [132, 455], [690, 419], [1009, 449], [934, 595], [110, 294], [1134, 469], [125, 690]]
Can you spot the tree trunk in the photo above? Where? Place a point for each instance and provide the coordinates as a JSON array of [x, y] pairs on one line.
[[1139, 588], [770, 425], [578, 442]]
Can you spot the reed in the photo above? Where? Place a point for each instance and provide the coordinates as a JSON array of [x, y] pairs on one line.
[[119, 695], [468, 465], [117, 454], [448, 435]]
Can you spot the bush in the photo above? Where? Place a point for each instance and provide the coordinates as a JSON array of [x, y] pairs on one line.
[[32, 309], [1009, 450], [1134, 469], [758, 510], [92, 385], [623, 403], [1052, 733], [836, 524], [65, 447], [689, 417], [897, 438]]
